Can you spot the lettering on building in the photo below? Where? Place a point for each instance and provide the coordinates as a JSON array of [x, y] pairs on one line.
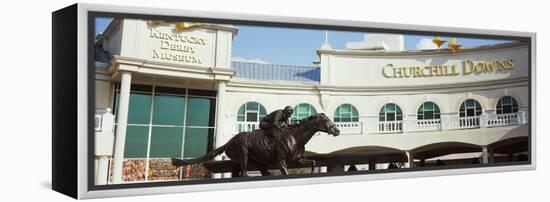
[[179, 47], [466, 67]]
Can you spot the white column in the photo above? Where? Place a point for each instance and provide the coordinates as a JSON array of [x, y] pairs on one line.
[[220, 106], [483, 120], [445, 122], [122, 116], [102, 174], [522, 118], [484, 155], [219, 136], [323, 169], [410, 156], [408, 123], [372, 165], [104, 143]]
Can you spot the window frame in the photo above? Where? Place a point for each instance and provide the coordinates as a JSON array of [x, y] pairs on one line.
[[246, 111], [514, 107], [435, 109], [338, 116], [463, 109], [383, 113], [297, 114]]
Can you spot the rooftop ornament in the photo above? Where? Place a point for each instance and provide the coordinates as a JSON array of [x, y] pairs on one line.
[[438, 41], [452, 45], [178, 25]]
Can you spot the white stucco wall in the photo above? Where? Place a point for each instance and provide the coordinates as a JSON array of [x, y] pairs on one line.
[[204, 45], [354, 69]]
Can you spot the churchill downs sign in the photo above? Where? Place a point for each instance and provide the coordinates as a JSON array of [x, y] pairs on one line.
[[466, 67]]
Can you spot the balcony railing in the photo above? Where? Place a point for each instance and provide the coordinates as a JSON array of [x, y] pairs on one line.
[[350, 127], [247, 126], [423, 125], [453, 123], [468, 122], [390, 126], [494, 120]]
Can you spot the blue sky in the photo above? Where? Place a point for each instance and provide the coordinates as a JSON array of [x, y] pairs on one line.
[[298, 46]]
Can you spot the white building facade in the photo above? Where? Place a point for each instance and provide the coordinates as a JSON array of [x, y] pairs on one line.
[[174, 92]]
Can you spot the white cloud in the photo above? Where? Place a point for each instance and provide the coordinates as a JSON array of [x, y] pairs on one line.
[[253, 60], [425, 44]]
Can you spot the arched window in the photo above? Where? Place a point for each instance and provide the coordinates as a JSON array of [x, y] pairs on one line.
[[346, 113], [302, 111], [507, 105], [428, 110], [251, 112], [469, 108], [390, 112]]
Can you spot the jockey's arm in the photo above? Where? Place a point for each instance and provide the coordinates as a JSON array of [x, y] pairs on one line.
[[287, 122], [276, 117]]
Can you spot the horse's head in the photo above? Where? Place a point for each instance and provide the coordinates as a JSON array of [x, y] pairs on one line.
[[323, 124]]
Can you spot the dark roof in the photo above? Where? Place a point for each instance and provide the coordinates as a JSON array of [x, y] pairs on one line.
[[444, 148], [102, 59], [510, 145], [259, 71]]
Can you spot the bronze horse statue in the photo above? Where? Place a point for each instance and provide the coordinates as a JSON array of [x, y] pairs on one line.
[[288, 146]]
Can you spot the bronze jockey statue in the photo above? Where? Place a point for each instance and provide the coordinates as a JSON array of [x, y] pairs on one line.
[[275, 121]]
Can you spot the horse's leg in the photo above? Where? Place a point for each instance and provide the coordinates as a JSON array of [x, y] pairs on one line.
[[235, 171], [262, 167], [304, 161], [283, 167], [263, 170], [244, 163]]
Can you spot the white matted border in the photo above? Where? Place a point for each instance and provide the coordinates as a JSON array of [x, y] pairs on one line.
[[82, 106]]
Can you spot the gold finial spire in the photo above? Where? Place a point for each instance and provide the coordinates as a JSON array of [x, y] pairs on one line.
[[154, 22], [185, 25], [437, 41], [453, 45]]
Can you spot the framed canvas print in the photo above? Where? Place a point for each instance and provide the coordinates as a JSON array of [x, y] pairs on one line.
[[149, 101]]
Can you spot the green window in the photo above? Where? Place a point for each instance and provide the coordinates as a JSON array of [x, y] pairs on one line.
[[168, 109], [251, 112], [196, 142], [428, 110], [136, 141], [302, 111], [168, 122], [200, 112], [507, 105], [470, 108], [139, 108], [346, 113], [390, 112], [166, 142]]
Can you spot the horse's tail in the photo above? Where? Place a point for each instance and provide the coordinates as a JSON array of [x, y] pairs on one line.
[[210, 155]]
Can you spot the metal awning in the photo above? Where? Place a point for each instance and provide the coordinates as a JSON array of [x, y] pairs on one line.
[[443, 148], [510, 146]]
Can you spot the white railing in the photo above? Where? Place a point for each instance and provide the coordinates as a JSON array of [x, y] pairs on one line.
[[247, 126], [468, 122], [104, 120], [494, 120], [452, 123], [349, 127], [423, 125], [390, 126]]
